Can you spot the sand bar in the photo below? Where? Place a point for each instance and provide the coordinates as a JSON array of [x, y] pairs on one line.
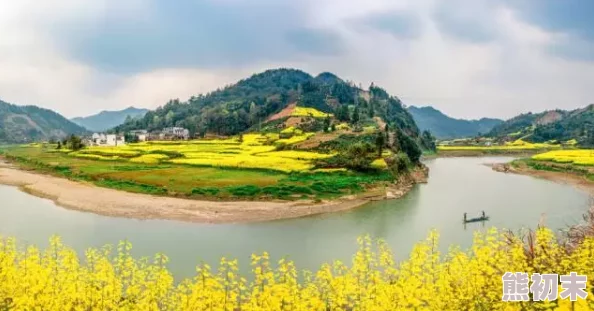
[[110, 202]]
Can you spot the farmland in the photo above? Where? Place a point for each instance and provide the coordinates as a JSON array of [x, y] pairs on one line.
[[250, 151], [577, 162], [575, 166], [472, 147], [583, 157], [248, 166]]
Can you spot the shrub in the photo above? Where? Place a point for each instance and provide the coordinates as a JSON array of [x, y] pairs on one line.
[[206, 191], [244, 191], [398, 163]]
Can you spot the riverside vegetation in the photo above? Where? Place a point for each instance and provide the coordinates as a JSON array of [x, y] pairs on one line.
[[107, 279]]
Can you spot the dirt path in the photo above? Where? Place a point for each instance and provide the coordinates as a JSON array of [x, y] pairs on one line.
[[110, 202], [560, 177]]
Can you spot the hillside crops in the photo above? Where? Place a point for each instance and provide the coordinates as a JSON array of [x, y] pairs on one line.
[[576, 156], [57, 279], [252, 151], [309, 112]]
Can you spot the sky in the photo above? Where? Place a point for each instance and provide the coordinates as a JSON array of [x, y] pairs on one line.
[[468, 58]]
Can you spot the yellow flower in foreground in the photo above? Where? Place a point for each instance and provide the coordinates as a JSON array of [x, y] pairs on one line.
[[111, 279]]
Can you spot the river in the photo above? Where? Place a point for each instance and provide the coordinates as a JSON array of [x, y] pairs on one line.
[[456, 185]]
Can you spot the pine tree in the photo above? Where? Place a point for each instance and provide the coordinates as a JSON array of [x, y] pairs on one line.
[[356, 116]]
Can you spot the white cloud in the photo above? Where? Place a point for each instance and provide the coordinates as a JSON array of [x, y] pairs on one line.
[[510, 74]]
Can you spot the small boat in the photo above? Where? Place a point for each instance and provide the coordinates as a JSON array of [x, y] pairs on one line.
[[476, 219]]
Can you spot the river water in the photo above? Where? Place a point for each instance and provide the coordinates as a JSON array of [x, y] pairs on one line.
[[456, 185]]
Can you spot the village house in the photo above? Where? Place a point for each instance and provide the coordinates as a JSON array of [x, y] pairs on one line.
[[175, 133], [142, 135], [100, 139]]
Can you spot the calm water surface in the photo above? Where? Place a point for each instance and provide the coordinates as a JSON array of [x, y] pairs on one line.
[[456, 185]]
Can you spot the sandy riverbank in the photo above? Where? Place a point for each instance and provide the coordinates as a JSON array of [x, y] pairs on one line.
[[560, 177], [109, 202]]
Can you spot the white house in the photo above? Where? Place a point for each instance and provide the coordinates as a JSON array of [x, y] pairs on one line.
[[100, 139]]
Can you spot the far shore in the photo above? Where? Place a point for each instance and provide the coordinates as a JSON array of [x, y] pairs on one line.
[[560, 177], [109, 202], [484, 153]]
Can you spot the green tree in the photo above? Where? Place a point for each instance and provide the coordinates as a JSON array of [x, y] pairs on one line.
[[74, 143], [356, 116], [398, 163], [410, 147], [428, 141], [130, 138], [380, 141], [358, 156], [342, 113], [326, 124], [371, 110]]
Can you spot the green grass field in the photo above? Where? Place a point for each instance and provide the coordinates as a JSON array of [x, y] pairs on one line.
[[200, 182]]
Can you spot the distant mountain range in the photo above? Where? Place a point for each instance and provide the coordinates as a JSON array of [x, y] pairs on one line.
[[109, 119], [445, 127], [21, 124], [560, 125]]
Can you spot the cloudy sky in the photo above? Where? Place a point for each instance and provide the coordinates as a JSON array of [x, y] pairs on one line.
[[469, 58]]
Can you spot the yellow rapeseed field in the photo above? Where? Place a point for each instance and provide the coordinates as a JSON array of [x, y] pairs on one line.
[[516, 145], [295, 139], [379, 163], [292, 130], [249, 151], [255, 151], [57, 279], [296, 154], [573, 156], [343, 126], [309, 112]]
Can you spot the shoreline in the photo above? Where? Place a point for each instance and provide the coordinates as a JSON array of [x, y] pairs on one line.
[[84, 197], [559, 177]]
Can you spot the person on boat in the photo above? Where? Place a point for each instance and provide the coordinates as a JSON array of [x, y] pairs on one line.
[[483, 214], [464, 216]]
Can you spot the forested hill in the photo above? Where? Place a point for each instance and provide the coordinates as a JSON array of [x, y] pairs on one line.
[[557, 125], [445, 127], [251, 102], [19, 124], [105, 120]]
